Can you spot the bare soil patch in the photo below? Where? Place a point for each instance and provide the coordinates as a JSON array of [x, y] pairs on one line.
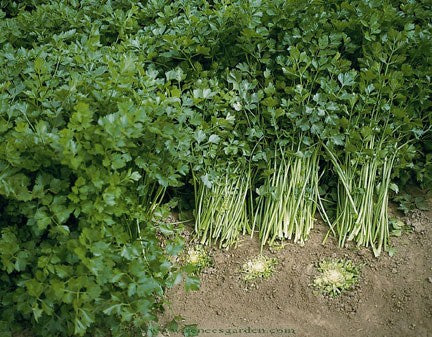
[[393, 298]]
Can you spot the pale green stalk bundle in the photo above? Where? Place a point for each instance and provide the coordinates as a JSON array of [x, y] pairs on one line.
[[151, 195], [362, 200], [376, 130], [372, 225], [286, 204], [221, 210]]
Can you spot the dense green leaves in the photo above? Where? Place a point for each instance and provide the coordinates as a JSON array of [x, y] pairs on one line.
[[269, 109], [89, 142]]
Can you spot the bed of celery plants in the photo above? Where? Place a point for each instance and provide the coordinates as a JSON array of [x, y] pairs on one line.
[[267, 112]]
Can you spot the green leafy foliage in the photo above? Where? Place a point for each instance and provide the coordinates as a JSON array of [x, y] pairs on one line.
[[259, 267], [336, 277], [89, 142], [407, 202], [197, 258], [269, 110]]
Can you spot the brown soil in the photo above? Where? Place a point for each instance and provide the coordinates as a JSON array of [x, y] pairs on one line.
[[393, 297]]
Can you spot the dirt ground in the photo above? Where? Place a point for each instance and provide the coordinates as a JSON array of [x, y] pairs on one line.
[[393, 298]]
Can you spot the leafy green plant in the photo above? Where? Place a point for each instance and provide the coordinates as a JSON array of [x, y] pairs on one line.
[[407, 202], [85, 275], [220, 173], [86, 154], [198, 258], [380, 123], [260, 267], [177, 324], [336, 277], [397, 227], [266, 111]]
